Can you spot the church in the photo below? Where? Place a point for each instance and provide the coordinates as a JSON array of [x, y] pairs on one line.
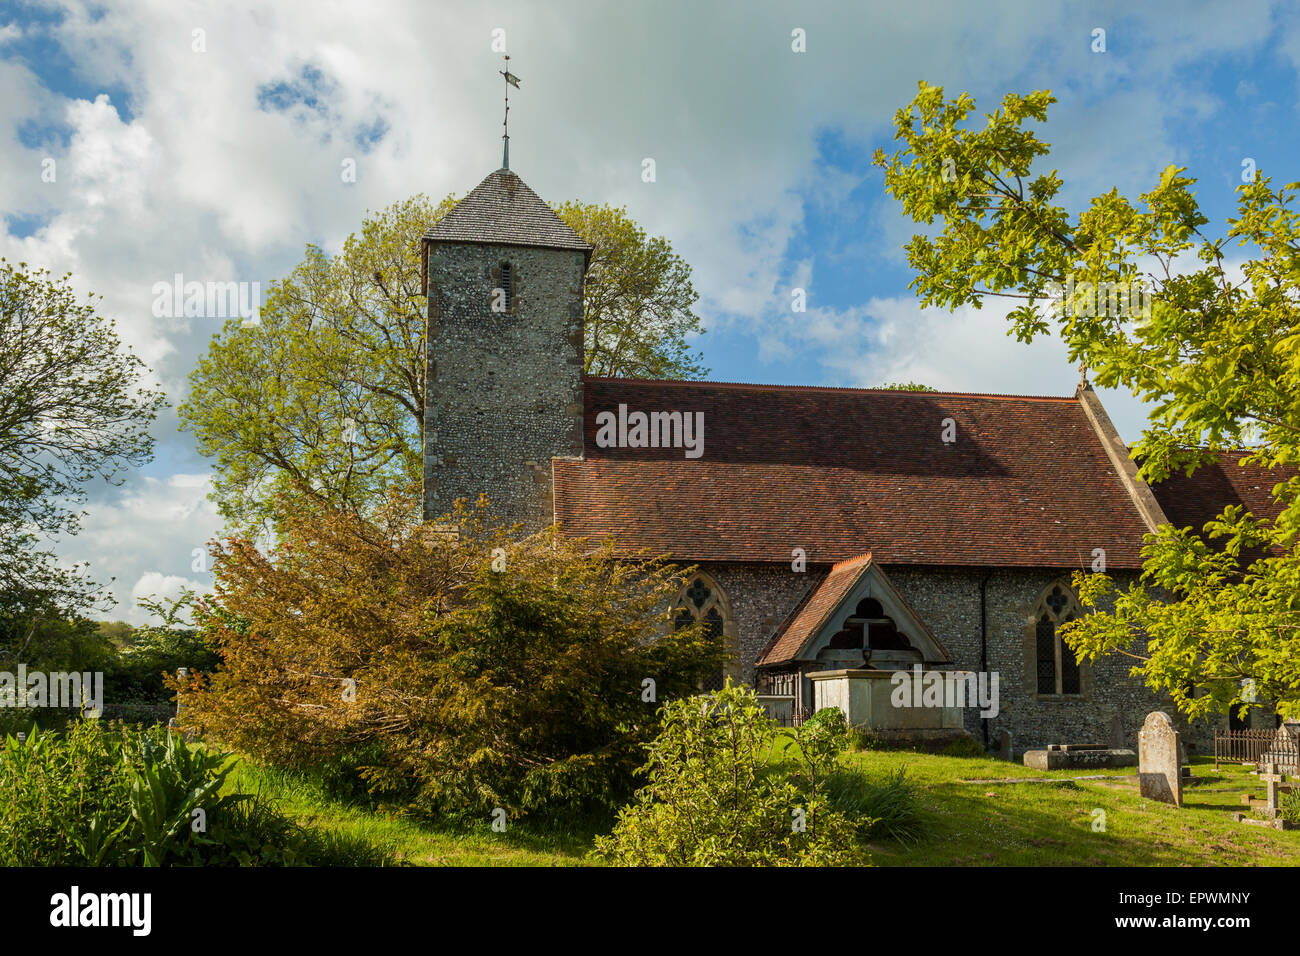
[[844, 537]]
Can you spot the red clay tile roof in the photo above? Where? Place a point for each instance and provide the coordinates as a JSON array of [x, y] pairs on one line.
[[817, 605], [1192, 501], [821, 600], [838, 472]]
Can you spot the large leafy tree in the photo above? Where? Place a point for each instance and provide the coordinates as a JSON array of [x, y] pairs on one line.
[[324, 395], [72, 410], [1149, 302], [637, 306]]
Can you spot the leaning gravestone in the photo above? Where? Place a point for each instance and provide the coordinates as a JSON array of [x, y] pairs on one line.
[[1159, 771], [1117, 732]]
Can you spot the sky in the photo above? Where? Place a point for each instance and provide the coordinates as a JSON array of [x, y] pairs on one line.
[[212, 140]]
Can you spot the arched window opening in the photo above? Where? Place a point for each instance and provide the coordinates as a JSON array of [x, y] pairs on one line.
[[1056, 667], [508, 285], [702, 600]]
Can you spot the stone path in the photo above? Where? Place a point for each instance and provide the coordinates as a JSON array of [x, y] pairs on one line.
[[1094, 776]]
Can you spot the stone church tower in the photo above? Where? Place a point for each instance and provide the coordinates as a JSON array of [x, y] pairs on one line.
[[504, 277]]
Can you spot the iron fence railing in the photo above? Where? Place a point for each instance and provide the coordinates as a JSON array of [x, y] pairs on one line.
[[1257, 747]]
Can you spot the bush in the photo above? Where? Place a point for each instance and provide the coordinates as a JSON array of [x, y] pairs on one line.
[[883, 809], [864, 738], [457, 673], [719, 793], [1289, 806], [110, 795]]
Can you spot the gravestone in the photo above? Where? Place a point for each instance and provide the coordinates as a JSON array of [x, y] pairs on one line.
[[1004, 745], [1117, 732], [1272, 777], [1159, 770]]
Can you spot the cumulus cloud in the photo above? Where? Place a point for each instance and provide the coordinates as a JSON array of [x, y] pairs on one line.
[[210, 140], [149, 537]]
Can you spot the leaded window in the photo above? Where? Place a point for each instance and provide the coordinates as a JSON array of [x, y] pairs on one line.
[[1056, 667], [702, 601]]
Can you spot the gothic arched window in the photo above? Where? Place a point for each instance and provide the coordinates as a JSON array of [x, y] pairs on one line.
[[702, 600], [1055, 666]]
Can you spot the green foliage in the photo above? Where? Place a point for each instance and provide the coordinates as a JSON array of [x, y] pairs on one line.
[[1289, 806], [1148, 302], [174, 786], [134, 675], [907, 387], [65, 798], [638, 299], [864, 738], [72, 409], [107, 795], [880, 809], [324, 397], [719, 795]]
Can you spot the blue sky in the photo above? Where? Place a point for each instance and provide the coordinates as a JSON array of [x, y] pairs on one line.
[[206, 139]]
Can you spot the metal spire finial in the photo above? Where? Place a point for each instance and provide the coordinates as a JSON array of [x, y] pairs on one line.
[[511, 80]]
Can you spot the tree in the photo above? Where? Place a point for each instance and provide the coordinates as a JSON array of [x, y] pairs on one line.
[[1148, 302], [72, 409], [324, 396], [470, 671], [638, 299], [906, 387]]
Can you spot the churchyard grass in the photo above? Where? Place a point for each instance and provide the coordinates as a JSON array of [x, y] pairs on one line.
[[1052, 823], [971, 816], [413, 842]]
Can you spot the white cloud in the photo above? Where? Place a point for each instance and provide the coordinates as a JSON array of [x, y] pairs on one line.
[[181, 170], [145, 536]]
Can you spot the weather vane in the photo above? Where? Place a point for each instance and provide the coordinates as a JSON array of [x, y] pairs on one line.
[[511, 80]]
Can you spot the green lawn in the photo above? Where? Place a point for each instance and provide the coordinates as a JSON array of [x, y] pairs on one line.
[[1050, 823], [969, 821], [411, 842]]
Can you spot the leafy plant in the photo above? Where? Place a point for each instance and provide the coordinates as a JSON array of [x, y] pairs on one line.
[[885, 808], [108, 795], [720, 794], [175, 787]]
